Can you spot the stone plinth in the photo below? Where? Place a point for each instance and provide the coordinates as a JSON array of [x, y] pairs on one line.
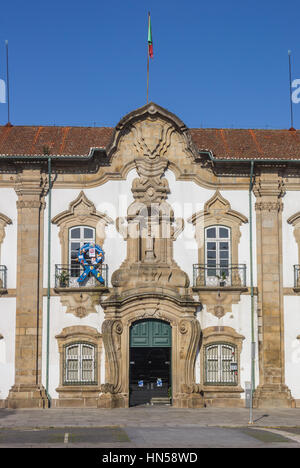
[[27, 396]]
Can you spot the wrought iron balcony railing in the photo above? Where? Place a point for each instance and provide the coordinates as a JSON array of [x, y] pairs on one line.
[[296, 276], [66, 276], [3, 277], [219, 276]]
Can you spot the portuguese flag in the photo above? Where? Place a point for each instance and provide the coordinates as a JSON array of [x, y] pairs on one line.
[[150, 42]]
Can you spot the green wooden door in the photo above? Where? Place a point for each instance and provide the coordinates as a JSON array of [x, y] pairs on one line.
[[150, 333]]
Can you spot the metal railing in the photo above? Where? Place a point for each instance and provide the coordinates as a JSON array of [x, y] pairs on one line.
[[296, 276], [66, 276], [3, 277], [219, 276]]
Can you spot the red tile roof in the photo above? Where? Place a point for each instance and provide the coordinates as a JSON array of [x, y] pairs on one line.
[[223, 143], [19, 140], [248, 143]]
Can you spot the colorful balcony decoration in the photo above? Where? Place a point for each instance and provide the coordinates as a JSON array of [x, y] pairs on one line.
[[90, 256]]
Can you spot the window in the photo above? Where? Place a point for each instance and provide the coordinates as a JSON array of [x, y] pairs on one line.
[[78, 236], [217, 251], [221, 364], [80, 364]]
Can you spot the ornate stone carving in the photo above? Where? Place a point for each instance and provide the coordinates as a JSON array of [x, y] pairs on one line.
[[149, 283], [219, 302], [269, 206], [150, 227], [185, 342], [295, 222], [80, 304], [111, 332], [4, 221], [217, 210], [81, 212]]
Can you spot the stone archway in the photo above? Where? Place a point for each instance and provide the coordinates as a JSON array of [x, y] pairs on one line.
[[186, 335]]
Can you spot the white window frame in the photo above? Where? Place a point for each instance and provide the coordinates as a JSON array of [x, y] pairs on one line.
[[217, 365], [80, 358], [210, 279], [81, 240]]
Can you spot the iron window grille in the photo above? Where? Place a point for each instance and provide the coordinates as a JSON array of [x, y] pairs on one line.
[[296, 276], [3, 277], [221, 365], [80, 364]]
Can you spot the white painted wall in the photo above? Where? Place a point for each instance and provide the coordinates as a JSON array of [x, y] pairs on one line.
[[291, 205], [8, 207], [113, 198], [186, 199], [240, 320], [8, 258], [59, 319], [7, 344], [292, 345]]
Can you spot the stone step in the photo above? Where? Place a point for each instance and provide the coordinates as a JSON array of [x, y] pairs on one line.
[[160, 401]]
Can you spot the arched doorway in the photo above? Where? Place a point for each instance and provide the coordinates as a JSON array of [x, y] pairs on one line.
[[150, 362]]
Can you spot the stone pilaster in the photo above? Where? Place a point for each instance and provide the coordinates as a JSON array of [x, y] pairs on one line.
[[272, 391], [28, 392]]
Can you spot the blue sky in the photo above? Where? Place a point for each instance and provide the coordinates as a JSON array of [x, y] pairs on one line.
[[216, 63]]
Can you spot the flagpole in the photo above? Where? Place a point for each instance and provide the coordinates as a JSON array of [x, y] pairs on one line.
[[291, 101], [7, 80], [148, 63]]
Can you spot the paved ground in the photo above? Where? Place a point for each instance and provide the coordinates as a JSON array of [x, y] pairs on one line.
[[149, 427]]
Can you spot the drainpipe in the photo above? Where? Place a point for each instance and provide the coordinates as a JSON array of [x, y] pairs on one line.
[[252, 296], [48, 279]]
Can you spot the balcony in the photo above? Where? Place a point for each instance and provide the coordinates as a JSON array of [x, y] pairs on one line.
[[66, 277], [3, 278], [216, 277]]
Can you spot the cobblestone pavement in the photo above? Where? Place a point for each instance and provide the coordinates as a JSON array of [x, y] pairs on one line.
[[149, 427], [147, 417]]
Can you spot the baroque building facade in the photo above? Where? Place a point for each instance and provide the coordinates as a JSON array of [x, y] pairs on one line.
[[200, 283]]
